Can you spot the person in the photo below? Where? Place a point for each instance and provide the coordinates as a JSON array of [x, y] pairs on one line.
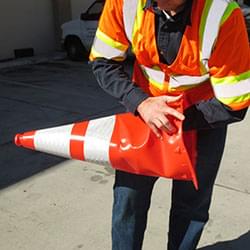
[[195, 50]]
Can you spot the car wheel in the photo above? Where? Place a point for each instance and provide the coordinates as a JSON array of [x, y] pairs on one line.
[[75, 49]]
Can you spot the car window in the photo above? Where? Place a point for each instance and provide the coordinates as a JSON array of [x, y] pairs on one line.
[[96, 8], [94, 11]]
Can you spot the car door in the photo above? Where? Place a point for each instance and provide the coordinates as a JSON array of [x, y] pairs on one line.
[[89, 22]]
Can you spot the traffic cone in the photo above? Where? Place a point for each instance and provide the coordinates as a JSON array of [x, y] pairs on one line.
[[122, 141]]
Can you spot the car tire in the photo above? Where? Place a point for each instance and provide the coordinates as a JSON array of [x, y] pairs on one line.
[[75, 49]]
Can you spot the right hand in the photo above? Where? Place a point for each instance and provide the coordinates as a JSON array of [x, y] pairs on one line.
[[155, 112]]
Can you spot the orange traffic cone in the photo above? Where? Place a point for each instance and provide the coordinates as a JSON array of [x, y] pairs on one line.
[[122, 141]]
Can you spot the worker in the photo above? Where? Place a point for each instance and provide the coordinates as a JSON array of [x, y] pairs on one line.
[[193, 50]]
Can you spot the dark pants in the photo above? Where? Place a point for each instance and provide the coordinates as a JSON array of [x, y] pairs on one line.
[[189, 208]]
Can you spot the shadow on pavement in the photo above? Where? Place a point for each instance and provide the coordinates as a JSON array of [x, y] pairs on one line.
[[241, 243], [18, 164], [42, 96]]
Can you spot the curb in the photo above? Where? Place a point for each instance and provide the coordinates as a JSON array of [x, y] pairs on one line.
[[33, 60]]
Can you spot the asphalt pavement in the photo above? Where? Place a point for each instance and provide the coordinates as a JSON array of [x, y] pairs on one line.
[[51, 203]]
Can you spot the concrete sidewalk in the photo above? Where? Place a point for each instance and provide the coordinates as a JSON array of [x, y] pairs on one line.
[[67, 206]]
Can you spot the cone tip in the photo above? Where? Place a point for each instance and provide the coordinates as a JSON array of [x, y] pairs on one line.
[[17, 140]]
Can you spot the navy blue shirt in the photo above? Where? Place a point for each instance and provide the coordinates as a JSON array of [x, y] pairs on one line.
[[112, 77]]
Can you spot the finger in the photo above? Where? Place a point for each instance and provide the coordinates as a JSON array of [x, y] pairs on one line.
[[173, 112], [157, 123], [167, 125], [155, 130], [170, 99], [170, 129]]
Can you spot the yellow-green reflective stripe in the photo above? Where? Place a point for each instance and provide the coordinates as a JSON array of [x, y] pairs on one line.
[[205, 12], [212, 25], [185, 80], [96, 54], [209, 28], [231, 7], [203, 21], [231, 79], [108, 51], [106, 39], [159, 85], [139, 16], [153, 75], [232, 90], [235, 100], [129, 16], [158, 77]]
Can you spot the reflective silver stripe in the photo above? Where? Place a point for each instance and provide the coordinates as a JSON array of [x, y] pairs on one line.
[[178, 81], [106, 50], [157, 76], [212, 26], [97, 140], [129, 15], [192, 235], [54, 140], [232, 90]]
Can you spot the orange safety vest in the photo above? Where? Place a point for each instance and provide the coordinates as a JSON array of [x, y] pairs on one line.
[[213, 59]]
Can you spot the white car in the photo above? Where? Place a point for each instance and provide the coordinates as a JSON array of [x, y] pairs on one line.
[[78, 35]]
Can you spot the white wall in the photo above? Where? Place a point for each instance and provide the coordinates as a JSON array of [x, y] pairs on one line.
[[26, 23], [79, 6]]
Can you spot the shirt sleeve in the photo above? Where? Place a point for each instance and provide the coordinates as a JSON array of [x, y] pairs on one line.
[[108, 51], [113, 79], [211, 114], [110, 41], [229, 63]]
